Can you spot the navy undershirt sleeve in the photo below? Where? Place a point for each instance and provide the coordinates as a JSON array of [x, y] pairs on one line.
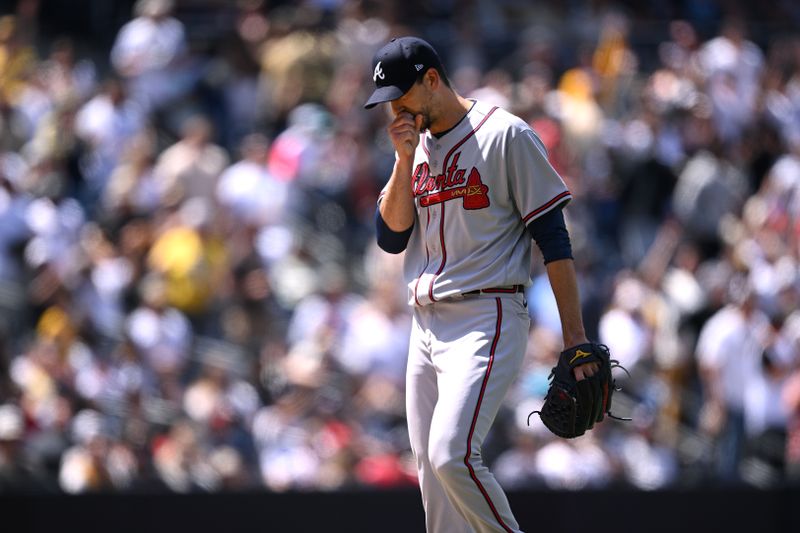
[[389, 240], [550, 233]]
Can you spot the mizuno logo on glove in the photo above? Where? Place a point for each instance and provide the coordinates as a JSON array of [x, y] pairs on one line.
[[579, 354]]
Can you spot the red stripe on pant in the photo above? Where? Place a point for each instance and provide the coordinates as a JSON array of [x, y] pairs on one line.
[[475, 418]]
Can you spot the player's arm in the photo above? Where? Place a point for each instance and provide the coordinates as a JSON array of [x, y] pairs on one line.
[[397, 206], [551, 236], [389, 240], [393, 222], [394, 218], [565, 288], [540, 200]]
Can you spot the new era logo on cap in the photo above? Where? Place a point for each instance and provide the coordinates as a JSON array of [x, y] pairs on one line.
[[398, 65]]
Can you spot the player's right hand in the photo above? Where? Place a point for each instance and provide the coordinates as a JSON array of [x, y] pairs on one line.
[[404, 132]]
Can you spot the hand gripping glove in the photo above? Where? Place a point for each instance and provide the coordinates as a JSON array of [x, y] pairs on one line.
[[572, 407]]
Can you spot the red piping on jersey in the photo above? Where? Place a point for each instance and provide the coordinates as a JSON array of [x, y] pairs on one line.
[[546, 206], [427, 260], [470, 134], [441, 222], [475, 418], [424, 148]]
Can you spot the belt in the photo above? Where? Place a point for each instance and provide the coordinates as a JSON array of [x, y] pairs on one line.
[[497, 290]]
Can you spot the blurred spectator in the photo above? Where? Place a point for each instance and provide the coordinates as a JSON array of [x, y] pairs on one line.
[[709, 187], [296, 59], [374, 341], [17, 59], [729, 354], [791, 401], [96, 463], [624, 327], [321, 318], [100, 296], [106, 124], [190, 167], [133, 189], [249, 191], [732, 67], [516, 468], [189, 254], [573, 465], [296, 151], [284, 439], [181, 462], [18, 471], [645, 461], [150, 53], [65, 76], [160, 332], [14, 202]]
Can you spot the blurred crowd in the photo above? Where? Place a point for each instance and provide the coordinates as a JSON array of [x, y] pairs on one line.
[[190, 294]]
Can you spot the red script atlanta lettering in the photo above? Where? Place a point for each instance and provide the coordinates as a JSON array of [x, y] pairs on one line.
[[449, 185]]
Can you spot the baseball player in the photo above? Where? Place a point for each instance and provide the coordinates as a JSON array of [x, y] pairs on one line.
[[470, 188]]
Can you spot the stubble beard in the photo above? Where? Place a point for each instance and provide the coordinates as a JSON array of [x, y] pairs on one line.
[[426, 119]]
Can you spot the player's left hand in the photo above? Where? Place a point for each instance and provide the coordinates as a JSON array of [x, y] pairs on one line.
[[586, 370], [580, 391]]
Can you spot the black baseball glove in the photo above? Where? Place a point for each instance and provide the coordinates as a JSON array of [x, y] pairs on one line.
[[571, 407]]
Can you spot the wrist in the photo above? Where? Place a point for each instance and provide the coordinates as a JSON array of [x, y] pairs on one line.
[[574, 340], [404, 163]]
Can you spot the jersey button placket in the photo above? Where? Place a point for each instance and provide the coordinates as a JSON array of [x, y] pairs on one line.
[[433, 229]]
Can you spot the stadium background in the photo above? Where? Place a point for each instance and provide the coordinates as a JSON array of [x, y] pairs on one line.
[[195, 321]]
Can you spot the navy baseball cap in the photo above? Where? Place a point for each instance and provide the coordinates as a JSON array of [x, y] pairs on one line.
[[396, 67]]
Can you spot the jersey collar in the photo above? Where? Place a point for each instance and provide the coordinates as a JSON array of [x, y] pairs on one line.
[[457, 124]]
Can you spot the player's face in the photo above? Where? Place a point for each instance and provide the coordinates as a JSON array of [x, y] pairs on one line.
[[417, 101]]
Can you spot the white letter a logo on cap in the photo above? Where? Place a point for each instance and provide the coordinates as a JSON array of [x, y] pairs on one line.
[[378, 72]]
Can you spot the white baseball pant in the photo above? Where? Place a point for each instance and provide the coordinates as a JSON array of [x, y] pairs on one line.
[[463, 356]]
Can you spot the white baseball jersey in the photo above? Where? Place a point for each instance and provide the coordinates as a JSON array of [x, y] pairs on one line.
[[476, 188]]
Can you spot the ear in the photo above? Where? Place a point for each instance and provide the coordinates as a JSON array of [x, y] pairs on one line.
[[432, 79]]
